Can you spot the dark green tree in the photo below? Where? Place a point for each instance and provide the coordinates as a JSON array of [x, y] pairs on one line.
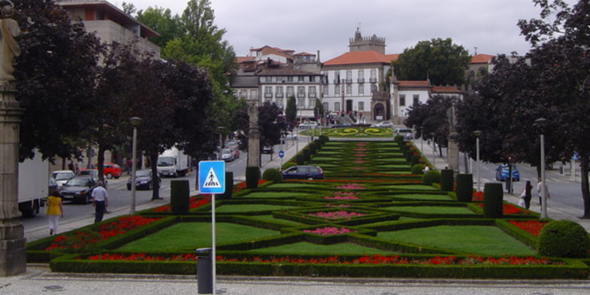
[[430, 119], [55, 78], [439, 60], [291, 111], [271, 124], [162, 21]]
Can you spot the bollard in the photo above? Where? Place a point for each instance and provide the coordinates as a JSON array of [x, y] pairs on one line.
[[204, 271]]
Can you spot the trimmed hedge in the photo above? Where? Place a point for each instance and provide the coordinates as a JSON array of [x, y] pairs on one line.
[[418, 169], [430, 177], [179, 196], [273, 175], [464, 188], [252, 176], [492, 200], [563, 238], [447, 180], [229, 186]]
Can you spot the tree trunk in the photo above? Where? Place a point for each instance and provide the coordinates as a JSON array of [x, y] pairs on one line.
[[100, 160], [585, 187], [156, 184]]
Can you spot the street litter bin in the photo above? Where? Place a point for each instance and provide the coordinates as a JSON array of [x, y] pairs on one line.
[[204, 271]]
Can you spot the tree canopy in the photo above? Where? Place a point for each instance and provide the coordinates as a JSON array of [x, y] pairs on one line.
[[439, 60]]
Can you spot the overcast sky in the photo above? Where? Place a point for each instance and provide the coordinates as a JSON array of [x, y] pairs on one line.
[[327, 25]]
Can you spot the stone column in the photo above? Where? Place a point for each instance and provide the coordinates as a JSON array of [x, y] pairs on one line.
[[453, 147], [12, 240], [253, 136]]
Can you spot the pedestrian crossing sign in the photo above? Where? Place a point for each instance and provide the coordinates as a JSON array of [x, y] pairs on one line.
[[211, 177]]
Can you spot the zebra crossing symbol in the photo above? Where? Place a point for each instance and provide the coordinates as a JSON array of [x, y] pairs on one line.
[[211, 177], [212, 181]]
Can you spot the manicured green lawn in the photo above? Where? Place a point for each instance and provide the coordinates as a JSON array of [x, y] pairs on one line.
[[270, 195], [271, 218], [408, 187], [292, 185], [303, 248], [431, 210], [232, 208], [421, 197], [192, 235], [482, 240]]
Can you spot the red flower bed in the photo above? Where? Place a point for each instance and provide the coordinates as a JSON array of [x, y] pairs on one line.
[[141, 257], [242, 185], [532, 227], [477, 196], [509, 209], [83, 239]]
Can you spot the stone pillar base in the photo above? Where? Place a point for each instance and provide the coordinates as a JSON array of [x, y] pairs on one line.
[[13, 259]]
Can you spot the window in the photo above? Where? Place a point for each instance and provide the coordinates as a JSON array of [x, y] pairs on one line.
[[301, 78], [290, 91], [325, 90], [243, 94], [300, 102], [300, 91], [361, 106], [280, 102], [416, 99], [279, 93], [289, 78], [325, 104], [402, 100], [349, 89], [312, 92], [337, 106], [373, 76], [361, 89], [361, 74], [336, 90], [254, 94], [374, 87], [267, 92], [311, 102]]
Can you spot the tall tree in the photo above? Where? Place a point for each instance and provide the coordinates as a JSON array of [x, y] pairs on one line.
[[439, 60], [55, 78], [162, 21], [271, 124], [430, 119], [291, 111]]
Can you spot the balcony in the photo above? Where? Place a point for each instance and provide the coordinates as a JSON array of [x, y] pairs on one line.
[[336, 81], [268, 95], [373, 80], [279, 95], [301, 95], [312, 95], [348, 81], [361, 80]]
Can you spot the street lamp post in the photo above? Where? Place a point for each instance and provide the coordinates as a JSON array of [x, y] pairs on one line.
[[477, 134], [220, 130], [135, 122], [433, 150], [541, 123]]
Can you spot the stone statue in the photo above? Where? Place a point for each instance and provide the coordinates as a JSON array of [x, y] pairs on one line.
[[452, 117], [253, 114], [9, 48]]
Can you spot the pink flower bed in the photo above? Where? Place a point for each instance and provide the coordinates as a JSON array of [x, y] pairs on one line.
[[350, 186], [336, 214], [337, 205], [327, 231], [341, 198]]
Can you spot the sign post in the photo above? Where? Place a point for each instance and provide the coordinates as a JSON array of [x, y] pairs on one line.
[[212, 181]]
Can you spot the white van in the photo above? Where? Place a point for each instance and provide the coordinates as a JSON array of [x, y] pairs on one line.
[[407, 133]]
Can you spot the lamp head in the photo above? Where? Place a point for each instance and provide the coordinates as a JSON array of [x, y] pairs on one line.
[[477, 133], [135, 121]]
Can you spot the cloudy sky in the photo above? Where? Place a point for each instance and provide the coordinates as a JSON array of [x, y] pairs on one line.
[[327, 25]]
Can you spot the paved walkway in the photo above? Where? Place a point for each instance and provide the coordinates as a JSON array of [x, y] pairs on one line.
[[40, 280]]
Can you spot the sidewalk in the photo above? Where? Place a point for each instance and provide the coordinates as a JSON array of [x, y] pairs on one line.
[[554, 210]]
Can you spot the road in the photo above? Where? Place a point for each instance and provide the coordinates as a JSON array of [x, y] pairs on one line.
[[120, 197]]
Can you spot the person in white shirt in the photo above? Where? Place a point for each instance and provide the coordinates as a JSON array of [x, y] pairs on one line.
[[539, 192], [100, 201]]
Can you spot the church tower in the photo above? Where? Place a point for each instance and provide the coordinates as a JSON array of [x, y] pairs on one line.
[[360, 43]]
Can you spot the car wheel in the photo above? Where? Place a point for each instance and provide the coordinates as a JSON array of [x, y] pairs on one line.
[[117, 177], [310, 178], [109, 176]]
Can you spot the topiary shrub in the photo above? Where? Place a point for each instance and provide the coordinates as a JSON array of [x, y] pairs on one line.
[[179, 197], [306, 154], [252, 176], [430, 177], [229, 186], [324, 139], [300, 159], [418, 169], [447, 180], [400, 140], [415, 160], [273, 175], [563, 238], [492, 200], [464, 188], [312, 147]]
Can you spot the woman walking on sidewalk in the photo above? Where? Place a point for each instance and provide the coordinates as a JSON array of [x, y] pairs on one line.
[[54, 211]]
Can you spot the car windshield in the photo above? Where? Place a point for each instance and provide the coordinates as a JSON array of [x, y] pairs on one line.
[[77, 182], [89, 172], [63, 175], [226, 151], [165, 161], [143, 173]]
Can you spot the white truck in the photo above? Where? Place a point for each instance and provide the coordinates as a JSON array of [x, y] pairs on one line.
[[33, 185], [173, 162]]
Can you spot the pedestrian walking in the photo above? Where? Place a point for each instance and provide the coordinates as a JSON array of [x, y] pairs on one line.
[[100, 201], [527, 194], [54, 211], [539, 191]]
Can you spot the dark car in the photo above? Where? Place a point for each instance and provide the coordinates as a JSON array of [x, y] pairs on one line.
[[502, 173], [78, 189], [303, 172], [267, 150], [143, 180], [341, 125]]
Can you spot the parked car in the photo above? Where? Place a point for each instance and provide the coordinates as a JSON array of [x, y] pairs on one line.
[[60, 177], [407, 133], [111, 170], [384, 124], [235, 151], [144, 179], [232, 144], [78, 189], [502, 173], [267, 150], [341, 125], [92, 173], [303, 172], [227, 155], [308, 125]]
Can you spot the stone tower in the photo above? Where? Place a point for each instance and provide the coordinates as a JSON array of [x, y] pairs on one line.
[[360, 43]]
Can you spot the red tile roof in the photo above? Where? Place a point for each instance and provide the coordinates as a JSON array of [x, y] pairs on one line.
[[241, 59], [481, 58], [445, 89], [414, 83], [361, 57]]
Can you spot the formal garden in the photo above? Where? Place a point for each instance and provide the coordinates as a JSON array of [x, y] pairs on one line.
[[376, 214]]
